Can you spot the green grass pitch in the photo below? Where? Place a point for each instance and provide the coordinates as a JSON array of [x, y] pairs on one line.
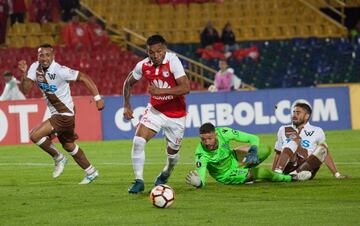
[[30, 196]]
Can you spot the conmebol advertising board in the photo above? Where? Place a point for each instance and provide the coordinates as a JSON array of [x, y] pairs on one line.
[[261, 111]]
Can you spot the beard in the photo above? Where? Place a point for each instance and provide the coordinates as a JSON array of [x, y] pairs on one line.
[[298, 122]]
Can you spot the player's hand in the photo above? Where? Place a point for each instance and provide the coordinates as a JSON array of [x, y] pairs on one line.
[[100, 104], [128, 113], [22, 65], [340, 176], [193, 179], [251, 159], [154, 91]]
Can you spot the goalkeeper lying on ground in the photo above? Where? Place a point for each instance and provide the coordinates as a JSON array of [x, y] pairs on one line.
[[215, 155]]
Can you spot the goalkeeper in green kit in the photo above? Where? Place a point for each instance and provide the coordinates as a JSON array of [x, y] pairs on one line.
[[215, 155]]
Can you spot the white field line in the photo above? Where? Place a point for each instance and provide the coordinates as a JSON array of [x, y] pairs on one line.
[[129, 163]]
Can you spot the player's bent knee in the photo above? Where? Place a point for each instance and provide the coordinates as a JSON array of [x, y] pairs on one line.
[[139, 141], [320, 152], [172, 149], [292, 145], [69, 147]]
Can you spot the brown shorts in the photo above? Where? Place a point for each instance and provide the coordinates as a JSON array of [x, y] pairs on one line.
[[64, 126]]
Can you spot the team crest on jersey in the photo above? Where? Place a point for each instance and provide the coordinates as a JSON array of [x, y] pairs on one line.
[[198, 164], [165, 73], [309, 133], [147, 72], [40, 78], [52, 76]]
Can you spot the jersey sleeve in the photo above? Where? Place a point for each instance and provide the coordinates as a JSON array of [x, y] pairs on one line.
[[230, 134], [321, 139], [176, 67], [67, 74], [201, 163], [137, 72], [6, 93], [279, 141], [31, 74]]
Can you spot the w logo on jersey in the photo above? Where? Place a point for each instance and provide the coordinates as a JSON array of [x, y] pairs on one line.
[[308, 133], [161, 84], [52, 76]]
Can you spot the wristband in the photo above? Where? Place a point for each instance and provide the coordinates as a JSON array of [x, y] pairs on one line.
[[337, 174], [97, 97]]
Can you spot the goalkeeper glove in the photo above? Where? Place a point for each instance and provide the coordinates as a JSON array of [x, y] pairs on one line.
[[251, 158], [193, 179]]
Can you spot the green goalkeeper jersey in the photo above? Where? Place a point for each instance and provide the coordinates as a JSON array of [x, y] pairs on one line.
[[221, 161]]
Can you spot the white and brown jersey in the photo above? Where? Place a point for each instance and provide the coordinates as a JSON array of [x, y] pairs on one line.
[[54, 83], [311, 136]]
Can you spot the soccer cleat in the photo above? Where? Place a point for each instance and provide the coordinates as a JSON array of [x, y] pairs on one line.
[[162, 179], [301, 176], [90, 177], [138, 186], [59, 167]]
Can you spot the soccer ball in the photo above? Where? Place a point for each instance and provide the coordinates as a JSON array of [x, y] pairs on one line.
[[162, 196]]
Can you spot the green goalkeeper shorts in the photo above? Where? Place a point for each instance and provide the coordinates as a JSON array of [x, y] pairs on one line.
[[235, 175]]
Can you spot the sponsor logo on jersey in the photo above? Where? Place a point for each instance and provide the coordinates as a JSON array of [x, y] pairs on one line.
[[47, 88], [169, 97], [161, 84], [308, 133]]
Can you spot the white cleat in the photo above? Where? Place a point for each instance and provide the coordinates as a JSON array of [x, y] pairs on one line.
[[90, 177], [59, 167], [301, 176]]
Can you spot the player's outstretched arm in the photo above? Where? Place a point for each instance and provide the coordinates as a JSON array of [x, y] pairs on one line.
[[332, 167], [89, 83], [25, 84], [128, 83], [182, 88]]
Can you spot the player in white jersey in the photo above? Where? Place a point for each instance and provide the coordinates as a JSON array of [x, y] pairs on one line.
[[53, 80], [301, 146]]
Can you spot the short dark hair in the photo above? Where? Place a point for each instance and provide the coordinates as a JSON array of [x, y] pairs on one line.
[[155, 39], [207, 128], [304, 106], [46, 45], [7, 73]]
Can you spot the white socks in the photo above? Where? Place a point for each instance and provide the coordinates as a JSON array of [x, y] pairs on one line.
[[59, 156], [171, 162], [90, 170], [138, 156]]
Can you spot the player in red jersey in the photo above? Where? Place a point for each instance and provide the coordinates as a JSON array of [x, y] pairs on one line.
[[166, 110]]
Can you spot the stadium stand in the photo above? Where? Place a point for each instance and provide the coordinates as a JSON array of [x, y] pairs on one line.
[[108, 67], [251, 20]]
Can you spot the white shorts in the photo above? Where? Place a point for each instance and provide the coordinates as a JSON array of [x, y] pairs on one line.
[[173, 127]]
